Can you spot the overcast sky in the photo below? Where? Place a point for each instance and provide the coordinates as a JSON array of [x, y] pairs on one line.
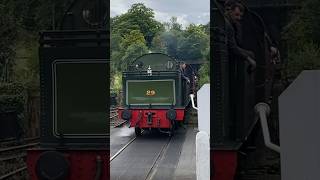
[[186, 11]]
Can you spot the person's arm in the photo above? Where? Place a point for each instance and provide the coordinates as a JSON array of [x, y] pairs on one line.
[[186, 78], [274, 51], [238, 51], [232, 44]]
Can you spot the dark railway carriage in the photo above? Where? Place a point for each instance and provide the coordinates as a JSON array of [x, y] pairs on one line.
[[74, 94], [155, 94], [235, 92]]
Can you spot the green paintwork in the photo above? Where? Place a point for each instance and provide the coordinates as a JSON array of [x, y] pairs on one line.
[[80, 100], [140, 92], [170, 88]]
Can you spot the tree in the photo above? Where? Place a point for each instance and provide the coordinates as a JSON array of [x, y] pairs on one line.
[[171, 36], [158, 45], [307, 58], [129, 47], [116, 53], [173, 25], [303, 39], [134, 37], [204, 71], [20, 23], [138, 17], [8, 37], [171, 39], [194, 43], [133, 51]]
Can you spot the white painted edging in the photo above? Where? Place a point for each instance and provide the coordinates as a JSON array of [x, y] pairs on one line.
[[202, 156], [203, 137]]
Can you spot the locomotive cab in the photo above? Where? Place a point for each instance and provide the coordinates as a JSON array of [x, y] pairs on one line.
[[155, 95]]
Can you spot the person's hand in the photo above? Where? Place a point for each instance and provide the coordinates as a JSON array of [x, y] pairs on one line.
[[275, 55], [252, 65], [251, 54], [188, 80], [273, 51]]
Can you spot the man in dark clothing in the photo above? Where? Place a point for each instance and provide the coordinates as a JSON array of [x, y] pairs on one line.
[[182, 71], [239, 58], [234, 12]]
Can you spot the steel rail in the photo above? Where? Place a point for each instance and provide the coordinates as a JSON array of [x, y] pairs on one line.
[[18, 147], [123, 148], [152, 171], [13, 157], [13, 172]]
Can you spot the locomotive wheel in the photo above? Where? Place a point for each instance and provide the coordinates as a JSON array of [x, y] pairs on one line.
[[137, 130]]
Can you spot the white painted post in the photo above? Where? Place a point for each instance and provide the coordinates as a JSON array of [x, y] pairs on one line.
[[203, 136], [203, 99], [202, 156]]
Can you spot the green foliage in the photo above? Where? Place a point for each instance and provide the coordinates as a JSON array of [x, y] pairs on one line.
[[189, 44], [115, 41], [194, 43], [306, 24], [133, 51], [138, 17], [158, 45], [127, 48], [26, 67], [173, 25], [12, 98], [116, 52], [167, 40], [204, 73], [171, 39], [20, 22], [134, 37], [116, 82], [307, 58], [8, 34], [302, 35]]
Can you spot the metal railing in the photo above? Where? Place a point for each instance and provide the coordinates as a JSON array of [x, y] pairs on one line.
[[263, 110]]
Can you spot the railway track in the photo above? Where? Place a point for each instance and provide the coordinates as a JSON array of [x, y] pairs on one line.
[[122, 149], [114, 120], [14, 142], [13, 158], [154, 158], [159, 157]]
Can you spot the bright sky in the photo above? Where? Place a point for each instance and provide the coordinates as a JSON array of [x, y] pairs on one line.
[[186, 11]]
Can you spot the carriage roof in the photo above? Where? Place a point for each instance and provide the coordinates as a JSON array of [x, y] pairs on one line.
[[156, 61]]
